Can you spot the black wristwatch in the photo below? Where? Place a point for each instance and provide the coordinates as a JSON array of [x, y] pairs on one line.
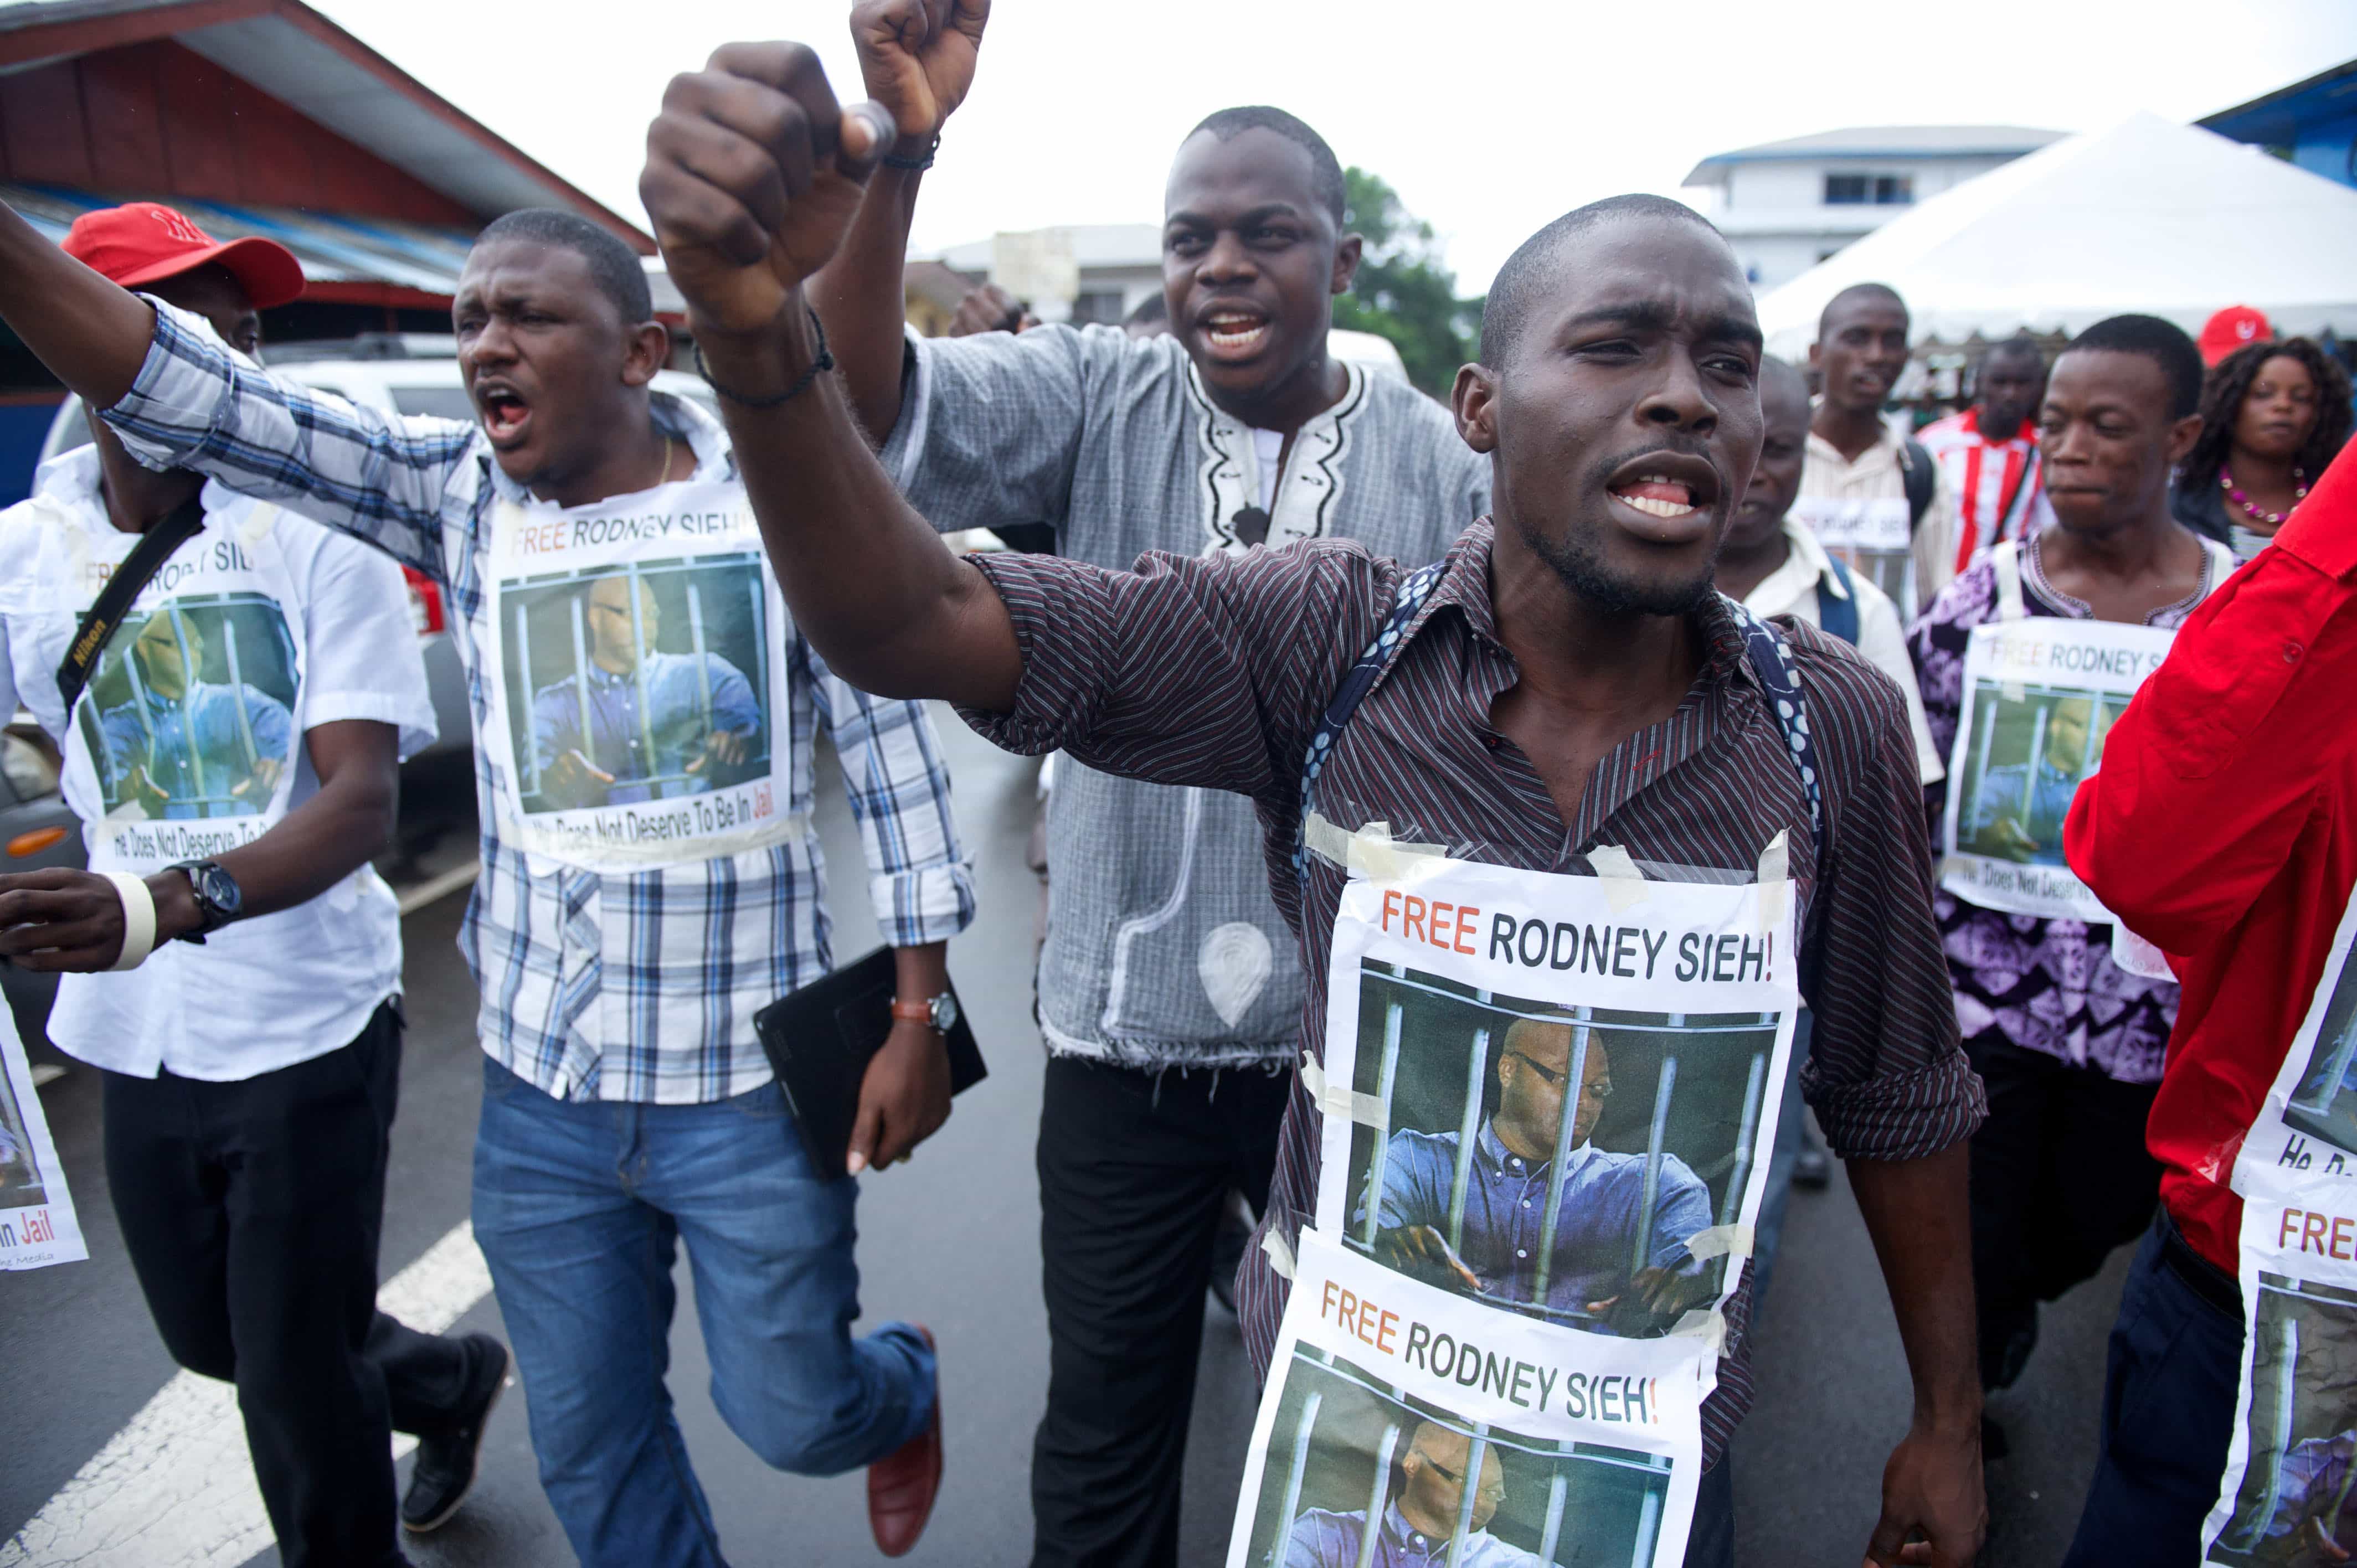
[[218, 899]]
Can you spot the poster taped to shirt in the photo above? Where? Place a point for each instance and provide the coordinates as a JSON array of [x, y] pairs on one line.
[[38, 1226], [2040, 697], [1465, 999], [2289, 1492], [1872, 535], [1468, 1437], [635, 675], [183, 746]]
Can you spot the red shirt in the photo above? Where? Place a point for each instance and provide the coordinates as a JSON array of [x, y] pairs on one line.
[[2223, 828], [1996, 484]]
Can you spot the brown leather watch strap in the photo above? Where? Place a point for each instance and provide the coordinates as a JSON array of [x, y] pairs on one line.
[[912, 1012]]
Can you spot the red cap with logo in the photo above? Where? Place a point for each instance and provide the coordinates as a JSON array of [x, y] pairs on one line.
[[145, 241], [2237, 326]]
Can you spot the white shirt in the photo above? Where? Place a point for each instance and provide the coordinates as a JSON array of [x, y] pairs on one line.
[[1828, 475], [1791, 589], [1268, 454], [319, 630]]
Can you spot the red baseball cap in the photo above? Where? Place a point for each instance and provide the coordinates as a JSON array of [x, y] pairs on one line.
[[145, 241], [2237, 326]]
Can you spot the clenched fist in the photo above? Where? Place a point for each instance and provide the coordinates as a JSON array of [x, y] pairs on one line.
[[918, 57], [753, 176]]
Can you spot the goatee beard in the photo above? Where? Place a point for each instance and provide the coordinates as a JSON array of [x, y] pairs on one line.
[[1586, 575]]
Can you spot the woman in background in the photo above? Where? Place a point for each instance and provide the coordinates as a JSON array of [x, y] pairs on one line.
[[2272, 416]]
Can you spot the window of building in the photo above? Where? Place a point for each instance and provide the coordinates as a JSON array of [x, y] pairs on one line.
[[1869, 189], [1097, 305]]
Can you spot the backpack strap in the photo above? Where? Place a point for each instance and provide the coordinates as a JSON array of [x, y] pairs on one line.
[[1917, 474], [1770, 654], [1356, 682], [1838, 613]]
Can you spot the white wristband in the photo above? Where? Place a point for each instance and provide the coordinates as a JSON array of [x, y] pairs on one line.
[[139, 919]]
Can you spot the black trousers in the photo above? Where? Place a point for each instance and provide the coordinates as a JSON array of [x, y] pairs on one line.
[[251, 1212], [2059, 1177], [1133, 1167]]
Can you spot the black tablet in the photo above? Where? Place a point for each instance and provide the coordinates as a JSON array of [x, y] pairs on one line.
[[820, 1039]]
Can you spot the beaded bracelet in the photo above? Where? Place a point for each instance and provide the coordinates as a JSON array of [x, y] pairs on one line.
[[823, 363]]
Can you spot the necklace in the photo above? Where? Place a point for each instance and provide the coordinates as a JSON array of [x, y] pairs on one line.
[[2272, 518]]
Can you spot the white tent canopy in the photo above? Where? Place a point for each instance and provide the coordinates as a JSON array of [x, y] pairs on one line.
[[2147, 216]]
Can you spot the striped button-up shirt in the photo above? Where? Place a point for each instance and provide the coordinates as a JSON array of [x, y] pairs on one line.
[[1215, 670], [637, 987]]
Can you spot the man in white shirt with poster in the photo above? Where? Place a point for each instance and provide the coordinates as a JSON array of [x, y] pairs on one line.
[[250, 1081]]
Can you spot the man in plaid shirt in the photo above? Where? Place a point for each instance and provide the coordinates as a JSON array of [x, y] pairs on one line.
[[626, 1101]]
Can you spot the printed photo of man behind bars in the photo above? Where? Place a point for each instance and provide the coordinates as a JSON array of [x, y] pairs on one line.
[[1495, 1180], [646, 681], [2015, 809], [1347, 1448], [193, 708], [2298, 1502]]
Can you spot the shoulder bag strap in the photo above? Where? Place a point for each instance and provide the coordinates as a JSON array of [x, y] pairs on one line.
[[1356, 682], [1771, 656], [105, 616]]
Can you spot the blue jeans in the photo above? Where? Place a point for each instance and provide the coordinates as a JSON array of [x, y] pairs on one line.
[[580, 1207], [2169, 1410]]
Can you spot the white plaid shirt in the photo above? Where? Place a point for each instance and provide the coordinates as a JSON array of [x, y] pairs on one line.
[[639, 987]]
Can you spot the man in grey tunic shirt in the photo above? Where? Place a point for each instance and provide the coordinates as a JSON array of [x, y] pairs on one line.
[[1164, 949]]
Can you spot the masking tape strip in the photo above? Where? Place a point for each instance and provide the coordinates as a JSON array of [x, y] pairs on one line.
[[1623, 883], [1336, 1101], [257, 523], [1718, 1240], [1280, 1256], [1372, 850], [1708, 1327], [1775, 879]]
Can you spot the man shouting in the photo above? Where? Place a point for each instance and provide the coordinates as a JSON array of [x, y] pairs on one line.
[[1569, 681]]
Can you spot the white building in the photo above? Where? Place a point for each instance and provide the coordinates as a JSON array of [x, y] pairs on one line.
[[1117, 266], [1786, 206]]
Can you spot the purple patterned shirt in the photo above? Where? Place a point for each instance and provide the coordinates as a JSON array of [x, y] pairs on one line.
[[2043, 985]]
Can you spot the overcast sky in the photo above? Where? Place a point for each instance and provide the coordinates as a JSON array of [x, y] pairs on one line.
[[1489, 117]]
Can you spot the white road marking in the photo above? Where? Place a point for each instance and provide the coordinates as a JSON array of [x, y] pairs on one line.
[[417, 896], [174, 1489]]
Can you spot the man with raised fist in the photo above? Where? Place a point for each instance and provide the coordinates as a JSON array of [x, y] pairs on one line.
[[1572, 680], [627, 1109], [1163, 947]]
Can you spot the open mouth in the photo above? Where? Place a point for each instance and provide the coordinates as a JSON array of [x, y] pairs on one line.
[[504, 413], [1234, 333], [1656, 495]]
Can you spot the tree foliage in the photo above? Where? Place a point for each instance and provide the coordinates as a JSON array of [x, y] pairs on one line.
[[1402, 291]]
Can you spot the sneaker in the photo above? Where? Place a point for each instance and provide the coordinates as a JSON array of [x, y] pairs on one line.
[[1812, 1167], [445, 1471], [902, 1484]]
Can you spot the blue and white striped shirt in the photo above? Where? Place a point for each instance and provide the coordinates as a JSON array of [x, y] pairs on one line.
[[639, 987]]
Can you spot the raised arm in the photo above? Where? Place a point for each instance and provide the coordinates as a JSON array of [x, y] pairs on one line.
[[754, 174], [91, 335], [180, 398], [917, 57]]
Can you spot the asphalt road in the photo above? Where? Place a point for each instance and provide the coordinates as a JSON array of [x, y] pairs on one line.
[[951, 1240]]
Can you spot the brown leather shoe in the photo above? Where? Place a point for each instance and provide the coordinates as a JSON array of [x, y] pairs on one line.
[[901, 1485]]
